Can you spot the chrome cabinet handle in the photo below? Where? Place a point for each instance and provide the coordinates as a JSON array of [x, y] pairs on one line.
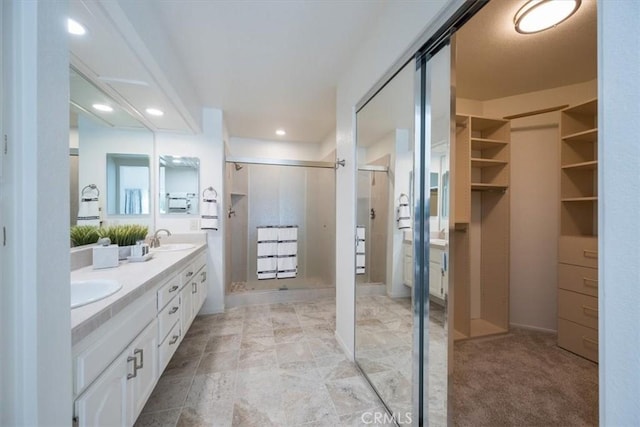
[[141, 353], [194, 288], [590, 283], [173, 310], [174, 288], [135, 368], [189, 274], [590, 254], [203, 276], [589, 341], [174, 339]]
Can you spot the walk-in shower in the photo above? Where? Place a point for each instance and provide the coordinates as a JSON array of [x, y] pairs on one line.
[[280, 225]]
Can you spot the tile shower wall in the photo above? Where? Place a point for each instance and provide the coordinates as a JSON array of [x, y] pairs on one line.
[[262, 195]]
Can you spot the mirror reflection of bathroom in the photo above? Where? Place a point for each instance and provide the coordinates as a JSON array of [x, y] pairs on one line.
[[384, 251], [280, 227], [178, 185], [99, 131], [127, 184]]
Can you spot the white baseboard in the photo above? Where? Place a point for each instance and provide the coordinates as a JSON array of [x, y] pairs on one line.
[[533, 328], [343, 346]]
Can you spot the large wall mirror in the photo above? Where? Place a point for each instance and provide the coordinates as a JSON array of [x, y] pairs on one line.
[[178, 185], [110, 150], [384, 267]]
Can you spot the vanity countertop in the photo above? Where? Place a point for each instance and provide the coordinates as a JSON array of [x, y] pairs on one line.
[[136, 278]]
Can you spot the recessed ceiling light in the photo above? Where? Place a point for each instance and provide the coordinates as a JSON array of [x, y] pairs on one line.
[[75, 28], [539, 15], [102, 107], [280, 132], [154, 112]]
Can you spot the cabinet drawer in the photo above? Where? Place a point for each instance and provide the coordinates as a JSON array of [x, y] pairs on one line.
[[578, 279], [578, 339], [187, 274], [118, 334], [167, 291], [168, 317], [578, 250], [169, 346], [578, 308]]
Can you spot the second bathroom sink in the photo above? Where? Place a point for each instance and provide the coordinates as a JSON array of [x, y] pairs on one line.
[[174, 247]]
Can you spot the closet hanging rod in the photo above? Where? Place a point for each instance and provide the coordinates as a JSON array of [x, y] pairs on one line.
[[373, 168], [536, 112], [281, 162]]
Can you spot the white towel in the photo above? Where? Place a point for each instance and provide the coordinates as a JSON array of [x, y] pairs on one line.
[[287, 267], [288, 248], [403, 213], [175, 203], [267, 268], [209, 217], [267, 249], [267, 235], [287, 234], [89, 212], [360, 249]]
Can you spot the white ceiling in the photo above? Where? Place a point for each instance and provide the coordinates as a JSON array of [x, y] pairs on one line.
[[275, 63], [269, 64]]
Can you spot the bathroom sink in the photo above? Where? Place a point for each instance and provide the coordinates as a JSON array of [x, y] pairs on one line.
[[173, 247], [84, 292], [438, 242]]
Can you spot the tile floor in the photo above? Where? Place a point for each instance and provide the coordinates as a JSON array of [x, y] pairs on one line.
[[268, 365]]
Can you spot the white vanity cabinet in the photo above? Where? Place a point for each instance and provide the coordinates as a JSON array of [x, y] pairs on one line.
[[118, 364], [117, 397], [437, 269]]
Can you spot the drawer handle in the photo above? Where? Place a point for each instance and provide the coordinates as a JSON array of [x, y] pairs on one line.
[[203, 276], [135, 369], [141, 353], [189, 273], [173, 310], [590, 283], [174, 339], [590, 341], [194, 288], [590, 311], [590, 254], [173, 288]]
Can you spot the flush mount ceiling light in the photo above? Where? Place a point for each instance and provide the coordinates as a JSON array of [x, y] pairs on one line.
[[154, 112], [102, 107], [280, 132], [75, 28], [539, 15]]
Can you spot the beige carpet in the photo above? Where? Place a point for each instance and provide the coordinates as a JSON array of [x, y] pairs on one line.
[[522, 379]]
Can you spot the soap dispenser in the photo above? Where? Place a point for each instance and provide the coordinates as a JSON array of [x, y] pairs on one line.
[[105, 255]]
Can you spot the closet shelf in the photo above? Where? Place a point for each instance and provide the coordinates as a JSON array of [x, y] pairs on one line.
[[580, 199], [591, 165], [484, 143], [590, 135], [477, 186], [486, 163], [481, 327]]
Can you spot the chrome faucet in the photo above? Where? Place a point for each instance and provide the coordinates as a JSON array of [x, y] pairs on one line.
[[155, 240]]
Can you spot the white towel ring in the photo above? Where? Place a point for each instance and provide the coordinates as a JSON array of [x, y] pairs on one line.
[[406, 199], [210, 189], [90, 188]]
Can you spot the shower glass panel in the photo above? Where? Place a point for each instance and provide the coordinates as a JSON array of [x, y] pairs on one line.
[[265, 203]]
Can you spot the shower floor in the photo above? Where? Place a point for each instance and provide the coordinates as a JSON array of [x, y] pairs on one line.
[[273, 285]]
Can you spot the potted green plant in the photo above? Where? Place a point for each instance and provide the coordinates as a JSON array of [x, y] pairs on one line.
[[124, 236], [83, 235]]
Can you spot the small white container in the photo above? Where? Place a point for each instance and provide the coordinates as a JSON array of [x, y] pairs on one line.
[[105, 257]]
